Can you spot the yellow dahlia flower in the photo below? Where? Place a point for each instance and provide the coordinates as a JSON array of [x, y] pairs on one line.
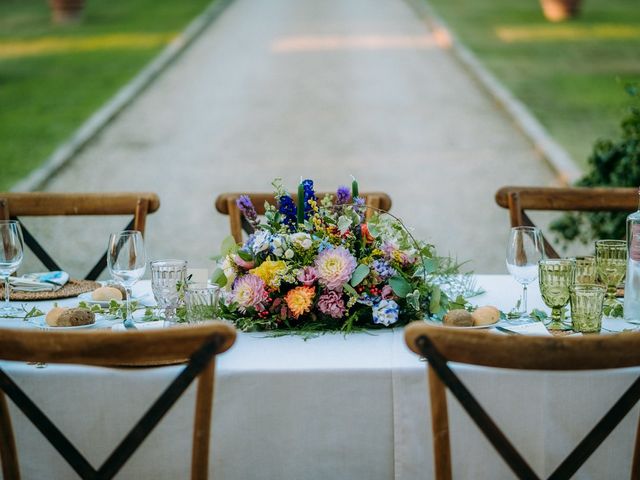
[[271, 272]]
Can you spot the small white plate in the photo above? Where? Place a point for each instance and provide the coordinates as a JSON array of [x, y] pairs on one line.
[[42, 324], [475, 327], [86, 297]]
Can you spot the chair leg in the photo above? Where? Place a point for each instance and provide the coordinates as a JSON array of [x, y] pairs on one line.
[[140, 216], [440, 427], [202, 424], [8, 454], [515, 211], [635, 465]]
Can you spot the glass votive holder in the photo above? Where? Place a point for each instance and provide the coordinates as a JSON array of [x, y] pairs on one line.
[[585, 272], [586, 308], [201, 302]]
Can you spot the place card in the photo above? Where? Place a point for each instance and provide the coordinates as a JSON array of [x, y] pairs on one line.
[[534, 328]]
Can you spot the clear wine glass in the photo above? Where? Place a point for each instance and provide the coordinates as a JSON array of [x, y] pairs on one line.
[[524, 251], [11, 253], [127, 261], [167, 277]]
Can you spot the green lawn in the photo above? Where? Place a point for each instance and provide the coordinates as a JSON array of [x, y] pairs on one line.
[[52, 78], [571, 74]]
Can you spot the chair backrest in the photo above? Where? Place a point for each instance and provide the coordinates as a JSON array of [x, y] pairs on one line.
[[519, 199], [441, 345], [198, 345], [36, 204], [226, 204]]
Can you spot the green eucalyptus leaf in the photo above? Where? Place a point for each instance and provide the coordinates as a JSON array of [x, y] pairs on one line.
[[359, 274], [373, 230], [228, 246], [219, 278], [400, 286], [434, 304], [430, 265], [344, 223]]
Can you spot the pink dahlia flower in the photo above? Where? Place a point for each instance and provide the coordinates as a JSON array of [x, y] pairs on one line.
[[250, 291], [331, 303], [334, 267], [307, 276]]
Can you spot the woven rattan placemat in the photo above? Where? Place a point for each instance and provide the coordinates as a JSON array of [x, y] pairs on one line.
[[73, 288]]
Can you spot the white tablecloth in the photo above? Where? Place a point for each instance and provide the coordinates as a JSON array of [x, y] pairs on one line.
[[331, 407]]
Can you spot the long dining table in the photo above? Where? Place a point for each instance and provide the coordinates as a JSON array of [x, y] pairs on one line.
[[330, 407]]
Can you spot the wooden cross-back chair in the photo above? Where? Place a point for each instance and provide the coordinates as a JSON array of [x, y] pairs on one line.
[[440, 345], [197, 344], [226, 204], [519, 199], [13, 206]]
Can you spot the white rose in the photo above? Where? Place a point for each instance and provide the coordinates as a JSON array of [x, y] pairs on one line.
[[229, 269], [302, 240], [277, 252], [288, 254]]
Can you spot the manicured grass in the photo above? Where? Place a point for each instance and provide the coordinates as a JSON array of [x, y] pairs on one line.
[[570, 74], [52, 78]]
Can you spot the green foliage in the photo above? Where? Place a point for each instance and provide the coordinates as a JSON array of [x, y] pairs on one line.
[[359, 274], [565, 73], [616, 310], [613, 163], [45, 96]]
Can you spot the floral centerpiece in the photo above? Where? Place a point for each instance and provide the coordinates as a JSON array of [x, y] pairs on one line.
[[316, 265]]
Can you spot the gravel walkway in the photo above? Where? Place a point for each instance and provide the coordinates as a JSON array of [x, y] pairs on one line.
[[319, 89]]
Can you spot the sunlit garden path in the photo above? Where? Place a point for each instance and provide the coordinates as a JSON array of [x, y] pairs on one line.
[[322, 90]]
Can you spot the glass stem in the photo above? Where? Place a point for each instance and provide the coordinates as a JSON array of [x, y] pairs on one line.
[[6, 291], [523, 309], [611, 294], [128, 303]]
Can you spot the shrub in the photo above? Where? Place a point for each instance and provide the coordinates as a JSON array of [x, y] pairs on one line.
[[611, 164]]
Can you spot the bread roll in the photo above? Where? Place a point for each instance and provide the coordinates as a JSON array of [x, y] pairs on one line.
[[458, 318], [105, 294], [122, 290], [53, 314], [74, 317], [485, 315]]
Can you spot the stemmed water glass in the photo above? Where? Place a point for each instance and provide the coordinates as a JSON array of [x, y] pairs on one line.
[[126, 260], [611, 264], [167, 277], [556, 280], [11, 253], [524, 250]]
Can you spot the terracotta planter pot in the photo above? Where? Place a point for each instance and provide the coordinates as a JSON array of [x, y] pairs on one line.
[[65, 11], [559, 10]]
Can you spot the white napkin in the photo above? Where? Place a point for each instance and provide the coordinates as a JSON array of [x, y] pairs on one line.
[[40, 282], [535, 328], [140, 326]]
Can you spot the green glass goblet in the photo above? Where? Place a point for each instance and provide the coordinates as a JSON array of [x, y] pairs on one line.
[[611, 264], [586, 308], [556, 279], [585, 273]]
